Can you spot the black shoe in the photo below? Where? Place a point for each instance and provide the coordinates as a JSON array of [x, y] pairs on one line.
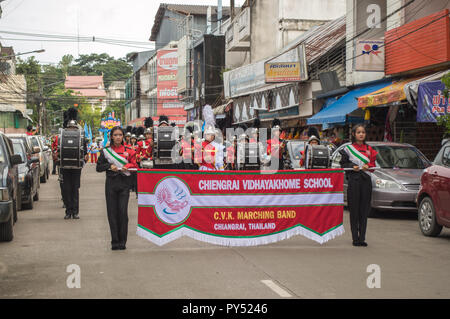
[[75, 216], [115, 248], [122, 247], [363, 243], [67, 216], [356, 243]]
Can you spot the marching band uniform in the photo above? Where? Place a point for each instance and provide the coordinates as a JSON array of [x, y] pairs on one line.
[[275, 146], [117, 191], [55, 153], [231, 156], [208, 157], [144, 150], [359, 191]]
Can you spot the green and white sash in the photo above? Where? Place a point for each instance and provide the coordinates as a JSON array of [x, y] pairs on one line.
[[355, 156], [115, 159]]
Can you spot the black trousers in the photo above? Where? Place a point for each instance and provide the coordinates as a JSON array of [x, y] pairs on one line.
[[117, 192], [359, 195], [70, 189]]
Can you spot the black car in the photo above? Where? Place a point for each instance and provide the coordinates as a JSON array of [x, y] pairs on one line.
[[28, 175], [8, 187]]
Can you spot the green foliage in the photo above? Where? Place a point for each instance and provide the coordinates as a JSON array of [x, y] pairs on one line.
[[45, 86], [444, 120]]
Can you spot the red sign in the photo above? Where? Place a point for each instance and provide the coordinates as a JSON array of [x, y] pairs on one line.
[[239, 208], [168, 102]]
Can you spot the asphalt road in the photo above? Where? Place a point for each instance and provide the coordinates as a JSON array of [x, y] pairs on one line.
[[34, 264]]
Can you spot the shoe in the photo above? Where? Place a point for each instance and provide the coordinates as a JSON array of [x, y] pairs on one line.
[[67, 216], [115, 247], [75, 216], [363, 243], [122, 247], [356, 243]]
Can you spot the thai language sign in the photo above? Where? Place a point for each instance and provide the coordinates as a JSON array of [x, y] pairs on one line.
[[167, 86], [431, 102], [238, 208]]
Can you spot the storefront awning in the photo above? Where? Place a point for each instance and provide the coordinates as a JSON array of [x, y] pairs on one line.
[[411, 89], [337, 112], [390, 94]]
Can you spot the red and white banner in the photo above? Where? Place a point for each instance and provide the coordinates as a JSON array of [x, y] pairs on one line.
[[168, 102], [240, 208]]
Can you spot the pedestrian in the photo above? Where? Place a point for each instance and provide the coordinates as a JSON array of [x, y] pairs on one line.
[[360, 157], [55, 153], [116, 160], [93, 150]]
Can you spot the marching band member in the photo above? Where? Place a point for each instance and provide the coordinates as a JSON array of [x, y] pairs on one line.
[[231, 154], [116, 160], [163, 121], [210, 152], [144, 149], [360, 157], [128, 135], [133, 139], [187, 149], [275, 146]]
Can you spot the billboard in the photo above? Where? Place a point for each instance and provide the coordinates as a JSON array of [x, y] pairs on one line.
[[168, 102]]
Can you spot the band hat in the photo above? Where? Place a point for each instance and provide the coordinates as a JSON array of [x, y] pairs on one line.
[[314, 138]]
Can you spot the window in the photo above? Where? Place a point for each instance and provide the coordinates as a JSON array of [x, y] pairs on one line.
[[34, 142], [446, 157], [19, 150], [400, 157]]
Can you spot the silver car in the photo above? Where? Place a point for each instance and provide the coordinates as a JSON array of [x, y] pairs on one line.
[[396, 182], [44, 157]]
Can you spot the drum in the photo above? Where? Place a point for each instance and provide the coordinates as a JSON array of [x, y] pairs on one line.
[[317, 156], [71, 149]]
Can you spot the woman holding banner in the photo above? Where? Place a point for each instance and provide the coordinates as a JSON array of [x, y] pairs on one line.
[[116, 160], [360, 157]]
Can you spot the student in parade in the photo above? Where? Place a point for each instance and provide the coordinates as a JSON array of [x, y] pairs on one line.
[[187, 149], [93, 149], [163, 121], [313, 140], [361, 157], [144, 151], [133, 139], [71, 177], [128, 135], [54, 153], [276, 146], [211, 158], [116, 161]]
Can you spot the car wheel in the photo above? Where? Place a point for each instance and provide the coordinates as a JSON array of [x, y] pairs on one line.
[[427, 218], [30, 204], [43, 178], [36, 196], [6, 230]]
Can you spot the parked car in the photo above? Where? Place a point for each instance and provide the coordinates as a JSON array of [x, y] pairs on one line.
[[44, 157], [433, 198], [8, 187], [396, 182], [28, 175], [47, 146]]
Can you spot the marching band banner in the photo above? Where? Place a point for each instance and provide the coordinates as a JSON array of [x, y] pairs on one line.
[[240, 208]]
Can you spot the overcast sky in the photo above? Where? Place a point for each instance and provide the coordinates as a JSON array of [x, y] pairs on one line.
[[112, 19]]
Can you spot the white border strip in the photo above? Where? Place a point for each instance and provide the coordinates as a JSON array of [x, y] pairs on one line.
[[235, 241], [254, 200]]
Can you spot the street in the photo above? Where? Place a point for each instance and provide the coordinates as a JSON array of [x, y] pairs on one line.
[[34, 264]]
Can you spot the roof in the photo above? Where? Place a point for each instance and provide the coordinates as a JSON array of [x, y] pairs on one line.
[[7, 51], [184, 9], [84, 82]]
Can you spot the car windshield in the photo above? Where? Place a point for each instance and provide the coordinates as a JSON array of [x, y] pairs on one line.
[[390, 156], [297, 148], [34, 142], [18, 149]]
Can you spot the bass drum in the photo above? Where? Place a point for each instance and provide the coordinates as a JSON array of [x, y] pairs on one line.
[[317, 156], [71, 149]]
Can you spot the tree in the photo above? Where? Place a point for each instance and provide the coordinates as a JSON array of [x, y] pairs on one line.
[[444, 120]]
